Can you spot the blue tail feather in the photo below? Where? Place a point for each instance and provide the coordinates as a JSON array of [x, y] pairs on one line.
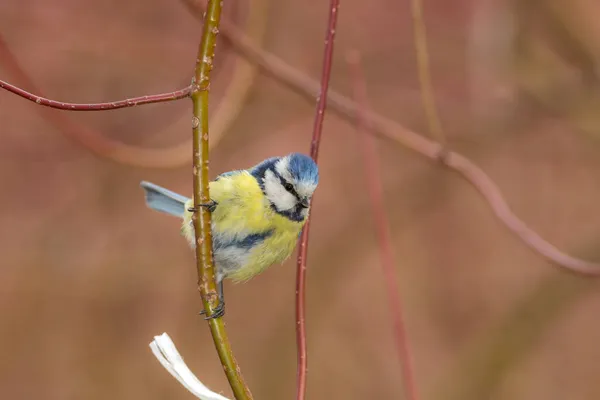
[[164, 200]]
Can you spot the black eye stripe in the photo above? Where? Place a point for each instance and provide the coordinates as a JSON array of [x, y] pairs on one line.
[[284, 182], [291, 190]]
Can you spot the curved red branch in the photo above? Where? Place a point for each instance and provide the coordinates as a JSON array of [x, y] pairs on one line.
[[500, 208], [93, 140], [110, 105]]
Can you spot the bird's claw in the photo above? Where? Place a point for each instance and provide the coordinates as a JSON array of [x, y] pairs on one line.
[[210, 206], [218, 312]]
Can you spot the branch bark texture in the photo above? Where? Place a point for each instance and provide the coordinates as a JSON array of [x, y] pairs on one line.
[[104, 106], [201, 218]]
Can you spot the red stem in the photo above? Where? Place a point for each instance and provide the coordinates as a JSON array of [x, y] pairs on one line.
[[90, 138], [110, 105], [382, 230], [302, 254]]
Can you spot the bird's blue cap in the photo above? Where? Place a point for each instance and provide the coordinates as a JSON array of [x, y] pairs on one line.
[[303, 168]]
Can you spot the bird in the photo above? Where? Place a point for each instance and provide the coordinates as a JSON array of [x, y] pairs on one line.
[[257, 215]]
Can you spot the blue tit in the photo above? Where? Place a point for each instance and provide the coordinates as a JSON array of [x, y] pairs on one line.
[[257, 215]]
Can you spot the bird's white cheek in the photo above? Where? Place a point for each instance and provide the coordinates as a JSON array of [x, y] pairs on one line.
[[286, 201], [283, 200]]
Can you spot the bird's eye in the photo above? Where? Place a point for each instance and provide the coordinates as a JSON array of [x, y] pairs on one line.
[[288, 186]]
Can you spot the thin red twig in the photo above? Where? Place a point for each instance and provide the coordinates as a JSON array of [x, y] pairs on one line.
[[302, 253], [110, 105], [374, 187], [89, 137]]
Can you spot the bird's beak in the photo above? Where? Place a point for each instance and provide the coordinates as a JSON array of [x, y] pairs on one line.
[[305, 203]]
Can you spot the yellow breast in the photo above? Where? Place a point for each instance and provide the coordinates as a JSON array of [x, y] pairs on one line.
[[273, 250], [243, 210]]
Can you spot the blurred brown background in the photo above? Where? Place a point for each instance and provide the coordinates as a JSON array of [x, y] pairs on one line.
[[88, 275]]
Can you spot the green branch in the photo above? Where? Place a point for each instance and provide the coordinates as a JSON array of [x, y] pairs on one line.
[[201, 218], [428, 98]]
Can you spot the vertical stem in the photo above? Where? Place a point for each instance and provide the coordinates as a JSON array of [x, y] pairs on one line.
[[420, 36], [201, 218], [303, 251], [382, 229]]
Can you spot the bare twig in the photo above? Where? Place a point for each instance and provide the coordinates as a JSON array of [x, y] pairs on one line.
[[302, 253], [90, 138], [110, 105], [390, 129], [420, 37], [201, 218], [374, 187]]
